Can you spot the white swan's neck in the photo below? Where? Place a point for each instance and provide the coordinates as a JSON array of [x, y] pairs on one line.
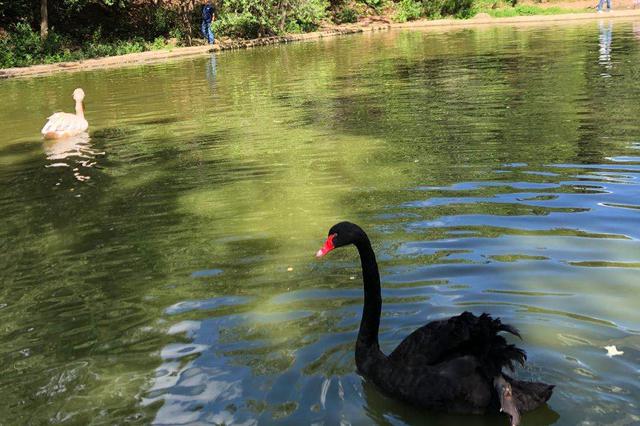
[[79, 109]]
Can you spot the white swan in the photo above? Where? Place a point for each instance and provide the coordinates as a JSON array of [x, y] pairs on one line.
[[64, 124]]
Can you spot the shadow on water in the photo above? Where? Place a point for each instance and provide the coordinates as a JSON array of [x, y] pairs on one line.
[[76, 309]]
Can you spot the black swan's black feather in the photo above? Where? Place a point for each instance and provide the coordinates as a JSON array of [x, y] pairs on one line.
[[453, 365]]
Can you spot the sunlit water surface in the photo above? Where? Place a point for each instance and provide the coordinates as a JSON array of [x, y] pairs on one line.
[[161, 269]]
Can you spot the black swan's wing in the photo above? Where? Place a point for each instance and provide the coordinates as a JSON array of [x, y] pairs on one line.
[[455, 386], [456, 364], [465, 334]]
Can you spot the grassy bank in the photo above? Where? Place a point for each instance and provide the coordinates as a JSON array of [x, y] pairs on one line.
[[528, 10], [439, 25], [23, 47]]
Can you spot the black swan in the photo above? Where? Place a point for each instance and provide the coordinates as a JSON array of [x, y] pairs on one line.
[[451, 365]]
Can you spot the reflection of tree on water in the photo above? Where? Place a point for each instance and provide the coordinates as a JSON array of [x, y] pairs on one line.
[[73, 152], [604, 38]]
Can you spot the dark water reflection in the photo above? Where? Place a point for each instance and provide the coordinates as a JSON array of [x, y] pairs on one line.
[[174, 283]]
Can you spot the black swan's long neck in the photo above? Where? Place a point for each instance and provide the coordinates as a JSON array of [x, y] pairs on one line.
[[370, 323]]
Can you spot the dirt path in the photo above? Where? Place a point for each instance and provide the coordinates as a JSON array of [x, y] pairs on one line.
[[370, 25]]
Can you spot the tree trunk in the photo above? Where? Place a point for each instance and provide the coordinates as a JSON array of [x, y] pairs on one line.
[[283, 15], [185, 10], [44, 19]]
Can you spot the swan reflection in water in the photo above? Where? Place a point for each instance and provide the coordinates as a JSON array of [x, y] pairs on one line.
[[604, 40], [74, 152], [211, 70]]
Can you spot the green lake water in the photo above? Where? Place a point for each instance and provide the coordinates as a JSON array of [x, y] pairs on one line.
[[162, 269]]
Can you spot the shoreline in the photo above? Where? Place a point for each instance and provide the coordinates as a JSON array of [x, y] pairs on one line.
[[155, 56]]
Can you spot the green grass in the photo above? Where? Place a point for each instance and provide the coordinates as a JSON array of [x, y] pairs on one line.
[[528, 10]]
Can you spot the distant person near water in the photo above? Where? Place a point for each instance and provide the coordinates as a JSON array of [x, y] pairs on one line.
[[208, 16], [601, 3]]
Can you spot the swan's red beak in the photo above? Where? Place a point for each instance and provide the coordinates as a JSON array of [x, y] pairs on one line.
[[327, 247]]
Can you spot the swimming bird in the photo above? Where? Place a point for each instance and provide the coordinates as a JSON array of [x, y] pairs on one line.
[[451, 365], [63, 124]]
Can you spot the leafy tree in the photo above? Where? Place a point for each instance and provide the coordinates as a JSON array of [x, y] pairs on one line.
[[255, 18]]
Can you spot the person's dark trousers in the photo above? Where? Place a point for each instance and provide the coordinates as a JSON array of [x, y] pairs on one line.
[[205, 28]]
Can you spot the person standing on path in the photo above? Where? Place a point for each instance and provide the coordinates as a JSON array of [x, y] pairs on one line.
[[208, 16], [601, 2]]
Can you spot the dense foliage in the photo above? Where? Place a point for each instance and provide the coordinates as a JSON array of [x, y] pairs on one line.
[[255, 18], [79, 29]]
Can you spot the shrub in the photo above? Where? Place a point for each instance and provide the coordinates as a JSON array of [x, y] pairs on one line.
[[130, 46], [158, 43], [376, 4], [439, 8], [176, 34], [308, 14], [7, 60], [463, 8], [23, 47], [346, 15], [237, 25], [408, 10], [253, 18], [162, 22], [25, 43]]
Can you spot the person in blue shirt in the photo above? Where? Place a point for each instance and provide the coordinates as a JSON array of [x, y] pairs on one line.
[[601, 3], [208, 15]]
